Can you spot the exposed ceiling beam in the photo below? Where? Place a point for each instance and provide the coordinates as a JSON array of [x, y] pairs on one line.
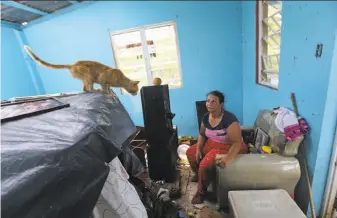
[[23, 7], [10, 25], [58, 13]]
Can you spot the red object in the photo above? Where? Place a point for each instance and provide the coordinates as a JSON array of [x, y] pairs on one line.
[[210, 150]]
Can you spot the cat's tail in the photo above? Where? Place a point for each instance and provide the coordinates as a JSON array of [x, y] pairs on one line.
[[43, 63]]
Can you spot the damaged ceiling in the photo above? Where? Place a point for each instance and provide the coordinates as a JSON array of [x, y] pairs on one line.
[[20, 13]]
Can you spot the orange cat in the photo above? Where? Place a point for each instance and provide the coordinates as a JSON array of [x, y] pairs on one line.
[[91, 72]]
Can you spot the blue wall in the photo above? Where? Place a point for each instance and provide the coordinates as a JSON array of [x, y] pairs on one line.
[[209, 38], [214, 55], [328, 131], [15, 77], [304, 25]]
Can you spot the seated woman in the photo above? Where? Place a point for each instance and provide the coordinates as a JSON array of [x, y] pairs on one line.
[[220, 133]]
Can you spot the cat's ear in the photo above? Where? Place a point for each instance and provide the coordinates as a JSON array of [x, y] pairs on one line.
[[135, 82]]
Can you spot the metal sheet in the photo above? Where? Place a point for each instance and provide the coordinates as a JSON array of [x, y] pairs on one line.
[[46, 6], [16, 15]]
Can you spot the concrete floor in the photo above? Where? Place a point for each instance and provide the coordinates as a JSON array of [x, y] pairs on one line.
[[188, 189]]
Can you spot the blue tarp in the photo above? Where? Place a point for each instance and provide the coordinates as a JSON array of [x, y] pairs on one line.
[[54, 164]]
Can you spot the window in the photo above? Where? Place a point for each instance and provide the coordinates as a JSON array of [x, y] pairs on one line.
[[268, 36], [147, 52]]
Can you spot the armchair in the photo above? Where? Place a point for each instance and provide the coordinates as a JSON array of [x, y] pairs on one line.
[[280, 170]]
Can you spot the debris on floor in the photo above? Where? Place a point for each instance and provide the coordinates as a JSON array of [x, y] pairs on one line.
[[181, 193], [207, 212]]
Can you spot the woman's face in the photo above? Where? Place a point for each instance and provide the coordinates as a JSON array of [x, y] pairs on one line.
[[213, 104]]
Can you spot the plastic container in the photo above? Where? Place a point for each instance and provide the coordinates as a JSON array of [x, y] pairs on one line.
[[182, 151], [263, 204], [266, 149]]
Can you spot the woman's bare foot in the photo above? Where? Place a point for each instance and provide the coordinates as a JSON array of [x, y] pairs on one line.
[[198, 198]]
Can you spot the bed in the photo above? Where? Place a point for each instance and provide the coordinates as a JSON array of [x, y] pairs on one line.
[[60, 163]]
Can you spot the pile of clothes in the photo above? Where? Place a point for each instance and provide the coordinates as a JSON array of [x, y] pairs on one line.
[[288, 123]]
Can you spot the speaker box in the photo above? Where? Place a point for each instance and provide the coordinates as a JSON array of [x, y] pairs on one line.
[[161, 135]]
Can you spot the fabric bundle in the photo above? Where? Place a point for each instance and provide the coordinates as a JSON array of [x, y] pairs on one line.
[[289, 124]]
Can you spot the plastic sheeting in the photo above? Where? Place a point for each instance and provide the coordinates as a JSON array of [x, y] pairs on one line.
[[130, 161], [266, 121], [54, 164]]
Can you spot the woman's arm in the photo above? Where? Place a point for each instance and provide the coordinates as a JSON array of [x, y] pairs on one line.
[[234, 135], [202, 137]]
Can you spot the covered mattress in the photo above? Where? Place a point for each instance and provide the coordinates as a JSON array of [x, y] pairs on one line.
[[54, 164], [119, 198]]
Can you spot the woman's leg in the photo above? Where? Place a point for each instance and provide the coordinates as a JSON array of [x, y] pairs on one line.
[[204, 177], [205, 172], [191, 157], [190, 153]]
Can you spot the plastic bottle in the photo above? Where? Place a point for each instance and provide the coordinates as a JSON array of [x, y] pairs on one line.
[[266, 149], [190, 215]]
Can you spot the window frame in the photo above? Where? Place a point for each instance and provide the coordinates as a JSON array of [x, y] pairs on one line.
[[259, 47], [146, 54]]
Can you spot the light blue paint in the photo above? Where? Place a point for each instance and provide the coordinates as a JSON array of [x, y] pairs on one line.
[[304, 25], [327, 132], [209, 39], [23, 7], [10, 25], [31, 65], [15, 77]]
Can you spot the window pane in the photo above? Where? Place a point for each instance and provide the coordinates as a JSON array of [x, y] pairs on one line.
[[128, 53], [163, 53], [271, 41], [273, 79]]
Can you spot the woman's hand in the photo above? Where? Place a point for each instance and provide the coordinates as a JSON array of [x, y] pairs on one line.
[[222, 162], [234, 135]]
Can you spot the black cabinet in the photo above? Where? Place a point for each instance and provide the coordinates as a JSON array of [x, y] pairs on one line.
[[160, 133]]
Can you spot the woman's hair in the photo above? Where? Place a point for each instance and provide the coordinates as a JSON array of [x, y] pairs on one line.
[[218, 94]]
